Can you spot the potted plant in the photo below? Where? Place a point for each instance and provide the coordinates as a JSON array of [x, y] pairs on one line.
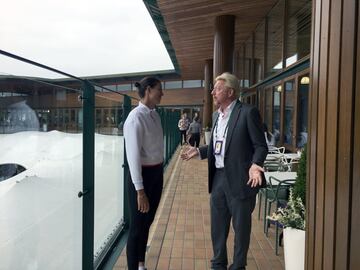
[[207, 134], [292, 219]]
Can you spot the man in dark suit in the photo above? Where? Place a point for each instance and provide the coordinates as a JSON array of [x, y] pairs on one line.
[[235, 156]]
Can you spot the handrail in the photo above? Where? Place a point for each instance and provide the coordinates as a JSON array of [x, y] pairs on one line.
[[25, 60]]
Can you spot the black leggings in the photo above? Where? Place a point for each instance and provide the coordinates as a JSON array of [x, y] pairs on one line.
[[140, 222], [183, 136]]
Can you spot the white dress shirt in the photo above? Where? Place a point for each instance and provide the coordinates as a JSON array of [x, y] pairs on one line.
[[220, 132], [144, 141]]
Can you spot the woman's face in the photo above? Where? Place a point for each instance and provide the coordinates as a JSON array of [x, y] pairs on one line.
[[155, 94]]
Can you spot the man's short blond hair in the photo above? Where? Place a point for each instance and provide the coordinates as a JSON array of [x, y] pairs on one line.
[[230, 80]]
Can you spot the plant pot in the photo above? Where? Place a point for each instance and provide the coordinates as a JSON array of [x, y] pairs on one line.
[[294, 249], [207, 137]]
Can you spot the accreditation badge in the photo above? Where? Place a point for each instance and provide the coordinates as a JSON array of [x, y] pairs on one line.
[[218, 147]]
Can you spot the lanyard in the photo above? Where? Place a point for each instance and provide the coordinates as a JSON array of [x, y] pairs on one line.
[[226, 128]]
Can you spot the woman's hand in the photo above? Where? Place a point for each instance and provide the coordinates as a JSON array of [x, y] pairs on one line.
[[142, 201]]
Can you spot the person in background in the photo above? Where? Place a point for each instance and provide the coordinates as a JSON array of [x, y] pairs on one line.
[[145, 152], [269, 137], [194, 132], [235, 154], [183, 126]]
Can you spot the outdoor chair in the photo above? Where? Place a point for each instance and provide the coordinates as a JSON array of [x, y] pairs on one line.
[[276, 165], [278, 237], [291, 165], [276, 150], [270, 166], [277, 192]]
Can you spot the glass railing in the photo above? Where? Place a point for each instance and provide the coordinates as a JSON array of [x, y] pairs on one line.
[[169, 119], [62, 170], [40, 174], [109, 171]]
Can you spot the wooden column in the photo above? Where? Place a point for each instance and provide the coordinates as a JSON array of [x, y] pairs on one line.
[[208, 84], [333, 219], [224, 44]]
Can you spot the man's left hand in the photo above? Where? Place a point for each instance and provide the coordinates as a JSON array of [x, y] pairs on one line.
[[255, 175]]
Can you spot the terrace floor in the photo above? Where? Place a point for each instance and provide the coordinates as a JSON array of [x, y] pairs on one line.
[[180, 235]]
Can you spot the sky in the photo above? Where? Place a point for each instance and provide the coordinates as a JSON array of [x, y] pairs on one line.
[[80, 37]]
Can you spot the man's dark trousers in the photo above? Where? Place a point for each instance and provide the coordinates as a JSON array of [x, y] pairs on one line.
[[224, 206]]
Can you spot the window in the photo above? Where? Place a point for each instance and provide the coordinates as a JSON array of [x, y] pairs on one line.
[[192, 83], [275, 39], [276, 113], [268, 105], [248, 60], [303, 111], [298, 32], [239, 64], [124, 87], [289, 112], [259, 52], [173, 84]]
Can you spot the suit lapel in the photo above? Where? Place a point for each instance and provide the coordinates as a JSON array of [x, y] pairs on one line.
[[232, 122], [212, 129]]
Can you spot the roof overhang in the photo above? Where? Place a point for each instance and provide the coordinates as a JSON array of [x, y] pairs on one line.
[[187, 28]]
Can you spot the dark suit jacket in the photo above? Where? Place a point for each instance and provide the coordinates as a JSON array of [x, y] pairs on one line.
[[245, 145]]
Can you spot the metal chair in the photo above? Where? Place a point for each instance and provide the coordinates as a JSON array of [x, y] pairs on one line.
[[270, 166], [276, 150], [276, 192]]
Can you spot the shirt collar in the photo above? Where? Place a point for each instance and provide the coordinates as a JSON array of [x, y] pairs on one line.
[[145, 108], [227, 110]]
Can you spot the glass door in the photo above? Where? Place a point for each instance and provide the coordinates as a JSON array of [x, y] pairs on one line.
[[289, 112], [276, 113], [302, 104]]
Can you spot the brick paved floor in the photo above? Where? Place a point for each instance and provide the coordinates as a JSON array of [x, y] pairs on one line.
[[180, 235]]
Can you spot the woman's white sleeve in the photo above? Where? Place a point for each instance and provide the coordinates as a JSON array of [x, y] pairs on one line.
[[133, 134]]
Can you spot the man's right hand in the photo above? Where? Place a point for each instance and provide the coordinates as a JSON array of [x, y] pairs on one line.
[[143, 201], [189, 152]]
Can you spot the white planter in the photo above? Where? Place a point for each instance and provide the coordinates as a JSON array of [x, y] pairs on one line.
[[294, 249], [207, 137]]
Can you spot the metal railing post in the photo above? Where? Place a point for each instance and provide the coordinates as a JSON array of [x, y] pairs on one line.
[[126, 111], [87, 193]]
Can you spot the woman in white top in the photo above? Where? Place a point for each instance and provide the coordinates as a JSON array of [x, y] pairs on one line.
[[183, 126], [145, 153]]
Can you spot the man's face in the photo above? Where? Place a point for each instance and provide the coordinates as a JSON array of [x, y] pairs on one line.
[[155, 94], [221, 93]]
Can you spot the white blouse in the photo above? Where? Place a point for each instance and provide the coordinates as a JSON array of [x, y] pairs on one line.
[[144, 141]]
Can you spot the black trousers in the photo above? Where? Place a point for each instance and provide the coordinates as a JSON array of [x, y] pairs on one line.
[[223, 207], [140, 222], [182, 136], [194, 139]]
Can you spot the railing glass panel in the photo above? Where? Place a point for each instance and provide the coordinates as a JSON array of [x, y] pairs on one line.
[[109, 171], [40, 174]]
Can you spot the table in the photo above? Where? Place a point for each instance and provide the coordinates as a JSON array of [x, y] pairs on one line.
[[291, 156], [281, 175]]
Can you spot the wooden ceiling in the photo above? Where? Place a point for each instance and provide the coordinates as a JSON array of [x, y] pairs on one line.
[[190, 25]]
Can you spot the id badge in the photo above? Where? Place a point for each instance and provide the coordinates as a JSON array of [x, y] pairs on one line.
[[218, 147]]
